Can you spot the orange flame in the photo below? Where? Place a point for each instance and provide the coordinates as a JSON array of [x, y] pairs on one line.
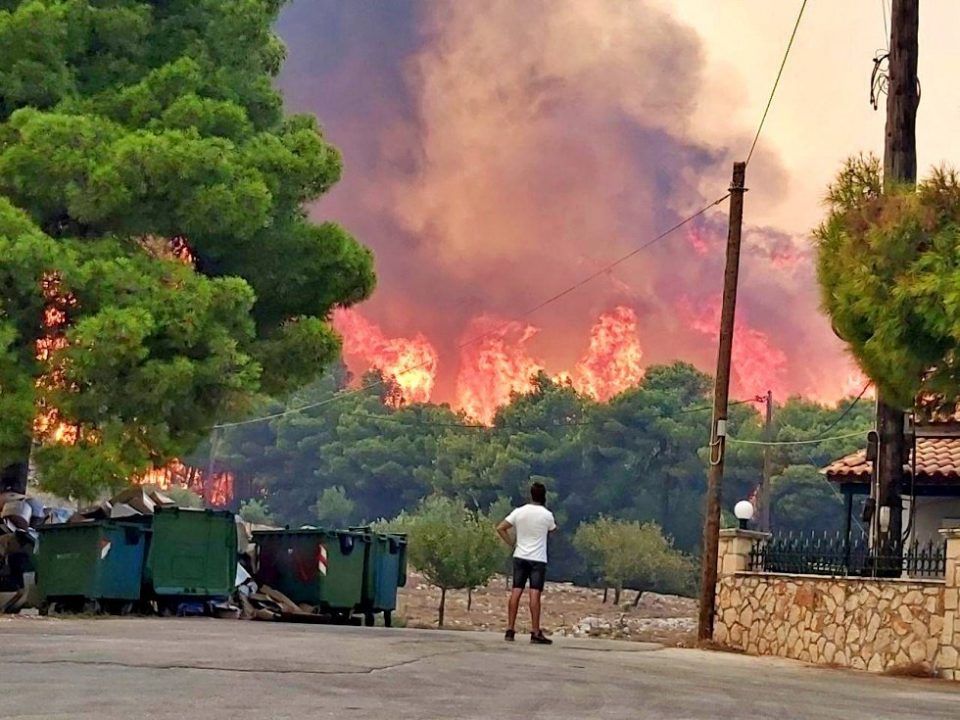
[[495, 366], [757, 365], [412, 362], [613, 361], [217, 491], [48, 425], [495, 360], [834, 388]]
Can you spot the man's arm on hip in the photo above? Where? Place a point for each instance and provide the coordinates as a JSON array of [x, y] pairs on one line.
[[503, 530]]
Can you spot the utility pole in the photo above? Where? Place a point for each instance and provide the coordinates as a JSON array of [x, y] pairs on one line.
[[721, 395], [764, 499], [899, 169]]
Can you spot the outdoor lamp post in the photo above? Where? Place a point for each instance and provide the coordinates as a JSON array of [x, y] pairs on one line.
[[743, 511]]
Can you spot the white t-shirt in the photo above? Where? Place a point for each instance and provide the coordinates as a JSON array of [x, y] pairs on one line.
[[531, 523]]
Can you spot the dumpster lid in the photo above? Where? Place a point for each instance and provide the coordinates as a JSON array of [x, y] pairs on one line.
[[68, 527], [301, 531], [173, 510]]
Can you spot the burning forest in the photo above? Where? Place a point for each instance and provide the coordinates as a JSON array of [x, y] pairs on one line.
[[484, 193]]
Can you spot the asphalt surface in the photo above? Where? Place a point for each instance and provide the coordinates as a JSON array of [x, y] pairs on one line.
[[213, 669]]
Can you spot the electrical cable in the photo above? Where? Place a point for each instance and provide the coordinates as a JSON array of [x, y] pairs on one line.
[[848, 409], [539, 306], [495, 428], [886, 27], [776, 82], [812, 441]]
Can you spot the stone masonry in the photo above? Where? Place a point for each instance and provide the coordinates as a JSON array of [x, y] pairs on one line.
[[949, 660], [866, 624]]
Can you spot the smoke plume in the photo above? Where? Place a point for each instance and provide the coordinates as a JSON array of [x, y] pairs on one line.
[[497, 152]]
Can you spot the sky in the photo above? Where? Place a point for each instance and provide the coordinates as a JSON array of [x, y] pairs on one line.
[[497, 152], [821, 112]]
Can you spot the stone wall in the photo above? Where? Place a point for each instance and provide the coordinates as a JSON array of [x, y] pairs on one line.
[[866, 624], [949, 660], [862, 624]]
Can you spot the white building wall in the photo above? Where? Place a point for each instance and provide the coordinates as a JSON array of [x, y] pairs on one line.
[[933, 514]]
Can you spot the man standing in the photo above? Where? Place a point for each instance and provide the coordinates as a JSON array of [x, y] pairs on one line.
[[531, 525]]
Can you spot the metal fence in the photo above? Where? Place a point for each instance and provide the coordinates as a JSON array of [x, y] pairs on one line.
[[833, 554]]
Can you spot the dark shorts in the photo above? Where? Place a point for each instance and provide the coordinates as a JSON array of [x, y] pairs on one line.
[[529, 570]]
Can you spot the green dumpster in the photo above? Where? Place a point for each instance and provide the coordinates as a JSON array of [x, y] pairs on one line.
[[192, 554], [318, 567], [91, 566], [385, 570]]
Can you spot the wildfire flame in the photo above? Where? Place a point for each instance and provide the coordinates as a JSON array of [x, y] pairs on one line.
[[217, 490], [757, 364], [495, 366], [412, 362], [49, 425], [495, 359], [613, 361]]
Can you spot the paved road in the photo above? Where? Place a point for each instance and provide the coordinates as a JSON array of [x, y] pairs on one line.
[[217, 669]]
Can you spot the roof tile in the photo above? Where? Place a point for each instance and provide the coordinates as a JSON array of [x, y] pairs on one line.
[[938, 462]]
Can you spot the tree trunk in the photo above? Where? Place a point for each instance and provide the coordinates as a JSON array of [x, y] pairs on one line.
[[469, 599], [616, 594], [605, 591], [665, 488], [443, 602], [636, 600]]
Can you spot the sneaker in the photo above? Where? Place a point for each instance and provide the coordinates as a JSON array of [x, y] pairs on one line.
[[538, 638], [509, 635]]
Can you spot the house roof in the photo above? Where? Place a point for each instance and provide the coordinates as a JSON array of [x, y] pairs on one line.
[[938, 463]]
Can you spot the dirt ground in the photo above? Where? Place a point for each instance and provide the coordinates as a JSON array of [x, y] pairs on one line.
[[568, 610]]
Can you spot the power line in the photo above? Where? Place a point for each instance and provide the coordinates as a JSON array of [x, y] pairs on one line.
[[848, 409], [776, 82], [886, 27], [477, 338], [859, 433], [821, 436], [520, 426]]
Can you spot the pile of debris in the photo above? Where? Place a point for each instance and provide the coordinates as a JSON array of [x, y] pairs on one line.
[[21, 517], [132, 503]]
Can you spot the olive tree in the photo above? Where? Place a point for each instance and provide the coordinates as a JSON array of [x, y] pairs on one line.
[[453, 547]]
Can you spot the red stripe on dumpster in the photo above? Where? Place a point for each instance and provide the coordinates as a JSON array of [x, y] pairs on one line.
[[322, 559]]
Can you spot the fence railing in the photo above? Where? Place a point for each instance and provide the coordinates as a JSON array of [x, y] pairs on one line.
[[833, 554]]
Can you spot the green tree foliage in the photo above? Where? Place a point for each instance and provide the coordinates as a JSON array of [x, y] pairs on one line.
[[801, 497], [453, 547], [639, 457], [888, 272], [801, 500], [256, 512], [642, 452], [624, 553], [129, 130], [334, 508]]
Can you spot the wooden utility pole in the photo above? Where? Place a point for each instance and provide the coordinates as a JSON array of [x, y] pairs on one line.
[[899, 169], [764, 499], [721, 394]]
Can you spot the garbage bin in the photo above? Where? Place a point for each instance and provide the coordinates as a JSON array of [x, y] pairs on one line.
[[192, 555], [385, 570], [94, 566], [318, 567]]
